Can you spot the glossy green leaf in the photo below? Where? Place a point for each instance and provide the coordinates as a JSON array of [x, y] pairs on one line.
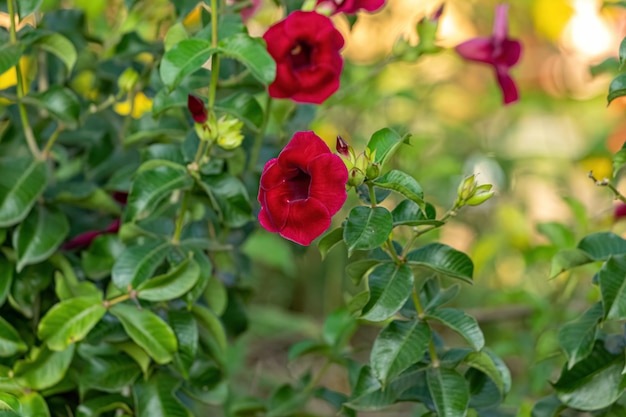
[[147, 330], [612, 280], [34, 405], [10, 340], [338, 328], [186, 330], [216, 295], [44, 368], [442, 297], [549, 406], [6, 278], [252, 53], [39, 235], [285, 401], [390, 286], [184, 58], [9, 402], [69, 321], [385, 142], [139, 355], [65, 289], [175, 34], [329, 241], [599, 246], [138, 263], [212, 331], [155, 397], [619, 160], [26, 7], [9, 56], [109, 373], [229, 197], [367, 228], [60, 46], [593, 383], [173, 284], [61, 102], [485, 364], [463, 324], [567, 259], [153, 185], [356, 270], [449, 392], [576, 338], [444, 260], [617, 88], [98, 260], [94, 407], [22, 180], [404, 184], [369, 395], [408, 213], [398, 346]]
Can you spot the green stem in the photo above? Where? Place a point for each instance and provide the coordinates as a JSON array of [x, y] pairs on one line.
[[419, 232], [51, 141], [311, 385], [28, 131], [431, 343], [370, 187], [180, 220], [215, 59], [392, 251], [258, 139], [606, 183], [119, 299]]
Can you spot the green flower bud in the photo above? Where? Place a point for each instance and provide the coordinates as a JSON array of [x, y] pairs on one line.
[[479, 198], [229, 132], [467, 187], [373, 171], [355, 177], [204, 131], [128, 80]]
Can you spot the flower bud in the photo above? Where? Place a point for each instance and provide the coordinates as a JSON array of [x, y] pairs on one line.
[[128, 80], [342, 147], [361, 163], [229, 132], [355, 177], [373, 171], [196, 108], [466, 188], [480, 196], [204, 132]]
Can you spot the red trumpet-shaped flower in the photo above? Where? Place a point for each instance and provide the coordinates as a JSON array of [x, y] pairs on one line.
[[197, 109], [302, 189], [351, 6], [498, 51], [305, 46]]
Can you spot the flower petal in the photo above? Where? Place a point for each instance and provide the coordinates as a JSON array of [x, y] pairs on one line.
[[477, 49], [510, 53], [328, 181], [307, 220], [303, 147], [276, 204], [272, 175], [507, 85], [500, 23]]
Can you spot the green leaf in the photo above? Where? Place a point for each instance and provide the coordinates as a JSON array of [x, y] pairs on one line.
[[34, 405], [109, 373], [98, 260], [137, 263], [9, 402], [153, 185], [612, 280], [485, 364], [216, 295], [60, 46], [356, 270], [22, 180], [252, 53], [10, 340], [186, 330], [44, 368], [599, 246], [9, 56], [60, 102], [619, 160], [449, 392], [444, 260], [39, 235], [408, 213], [593, 383], [329, 241], [184, 58], [567, 259], [397, 347], [148, 331], [442, 297], [338, 328], [367, 228], [69, 321], [26, 7], [155, 397], [6, 278], [94, 407], [463, 324], [285, 402], [212, 332], [66, 289], [404, 184], [230, 198], [139, 355], [558, 234], [577, 337], [173, 284], [617, 88], [385, 142], [549, 406], [390, 286], [305, 347], [175, 34]]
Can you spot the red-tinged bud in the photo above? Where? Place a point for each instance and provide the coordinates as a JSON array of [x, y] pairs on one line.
[[197, 109], [437, 15], [620, 211], [342, 147]]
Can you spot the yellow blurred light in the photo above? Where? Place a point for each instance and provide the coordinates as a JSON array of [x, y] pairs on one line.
[[551, 17], [141, 105], [587, 32], [601, 166], [9, 77]]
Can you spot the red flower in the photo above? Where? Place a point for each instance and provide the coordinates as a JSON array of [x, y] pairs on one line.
[[619, 212], [351, 6], [305, 46], [498, 51], [196, 107], [85, 239], [302, 189]]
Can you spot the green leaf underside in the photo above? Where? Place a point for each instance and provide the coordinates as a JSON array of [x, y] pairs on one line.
[[612, 280], [449, 392], [576, 338], [599, 246]]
